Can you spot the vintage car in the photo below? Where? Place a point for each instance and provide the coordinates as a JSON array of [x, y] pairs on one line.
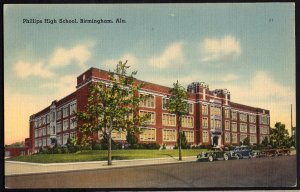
[[242, 152], [216, 153]]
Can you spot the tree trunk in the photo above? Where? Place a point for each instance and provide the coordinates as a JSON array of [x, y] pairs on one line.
[[179, 137], [109, 145]]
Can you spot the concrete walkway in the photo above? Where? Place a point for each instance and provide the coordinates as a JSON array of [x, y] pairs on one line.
[[22, 168]]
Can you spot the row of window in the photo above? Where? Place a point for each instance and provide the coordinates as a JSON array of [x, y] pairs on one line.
[[149, 102], [61, 140], [63, 112], [47, 130], [217, 124], [169, 119], [229, 137], [149, 134]]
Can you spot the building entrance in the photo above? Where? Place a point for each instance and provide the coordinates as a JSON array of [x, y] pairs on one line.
[[215, 140]]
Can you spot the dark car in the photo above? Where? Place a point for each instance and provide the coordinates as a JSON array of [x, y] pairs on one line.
[[216, 153], [242, 152]]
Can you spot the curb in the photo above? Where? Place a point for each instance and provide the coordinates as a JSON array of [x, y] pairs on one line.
[[114, 166], [93, 162]]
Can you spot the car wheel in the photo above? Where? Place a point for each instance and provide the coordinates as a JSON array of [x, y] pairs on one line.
[[226, 157], [210, 158]]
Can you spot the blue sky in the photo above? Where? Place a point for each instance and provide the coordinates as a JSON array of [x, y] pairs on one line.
[[246, 48]]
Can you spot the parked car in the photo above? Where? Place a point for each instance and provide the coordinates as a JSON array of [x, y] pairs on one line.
[[242, 152], [216, 153]]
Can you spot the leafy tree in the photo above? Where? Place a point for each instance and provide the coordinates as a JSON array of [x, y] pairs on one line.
[[279, 135], [17, 144], [110, 106], [246, 141], [131, 137], [178, 105], [265, 142], [183, 142]]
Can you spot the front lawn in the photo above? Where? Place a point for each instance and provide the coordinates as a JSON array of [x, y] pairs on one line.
[[101, 155]]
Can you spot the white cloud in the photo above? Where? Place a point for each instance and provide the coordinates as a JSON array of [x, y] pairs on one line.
[[63, 57], [264, 92], [219, 49], [63, 86], [172, 55], [25, 69], [230, 77], [132, 61]]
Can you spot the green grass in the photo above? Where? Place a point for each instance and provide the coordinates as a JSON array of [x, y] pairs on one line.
[[101, 155]]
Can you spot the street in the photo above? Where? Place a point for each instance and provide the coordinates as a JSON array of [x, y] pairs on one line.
[[256, 172]]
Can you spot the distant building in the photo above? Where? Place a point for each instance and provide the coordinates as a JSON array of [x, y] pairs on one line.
[[15, 151], [213, 118]]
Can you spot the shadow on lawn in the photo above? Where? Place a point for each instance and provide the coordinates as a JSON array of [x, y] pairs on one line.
[[169, 156], [115, 158]]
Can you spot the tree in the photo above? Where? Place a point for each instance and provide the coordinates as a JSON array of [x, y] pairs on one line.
[[265, 142], [183, 142], [177, 104], [246, 141], [111, 106], [279, 135], [131, 138]]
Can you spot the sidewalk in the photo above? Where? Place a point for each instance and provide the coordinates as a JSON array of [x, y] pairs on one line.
[[21, 168]]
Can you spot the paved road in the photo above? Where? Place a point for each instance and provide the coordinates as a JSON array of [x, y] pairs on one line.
[[258, 172]]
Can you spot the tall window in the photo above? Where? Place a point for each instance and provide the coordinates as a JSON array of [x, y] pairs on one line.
[[187, 121], [234, 127], [227, 113], [58, 114], [204, 122], [227, 125], [189, 135], [205, 136], [252, 118], [152, 116], [264, 130], [66, 111], [204, 109], [35, 133], [169, 119], [227, 137], [73, 108], [52, 118], [148, 134], [243, 117], [215, 123], [53, 130], [243, 127], [65, 124], [242, 137], [190, 108], [253, 139], [233, 137], [73, 123], [118, 135], [44, 131], [164, 102], [169, 135], [65, 138], [234, 115], [148, 102], [58, 127], [252, 128], [264, 120]]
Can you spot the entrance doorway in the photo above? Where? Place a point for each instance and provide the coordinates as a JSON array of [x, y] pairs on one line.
[[215, 140]]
